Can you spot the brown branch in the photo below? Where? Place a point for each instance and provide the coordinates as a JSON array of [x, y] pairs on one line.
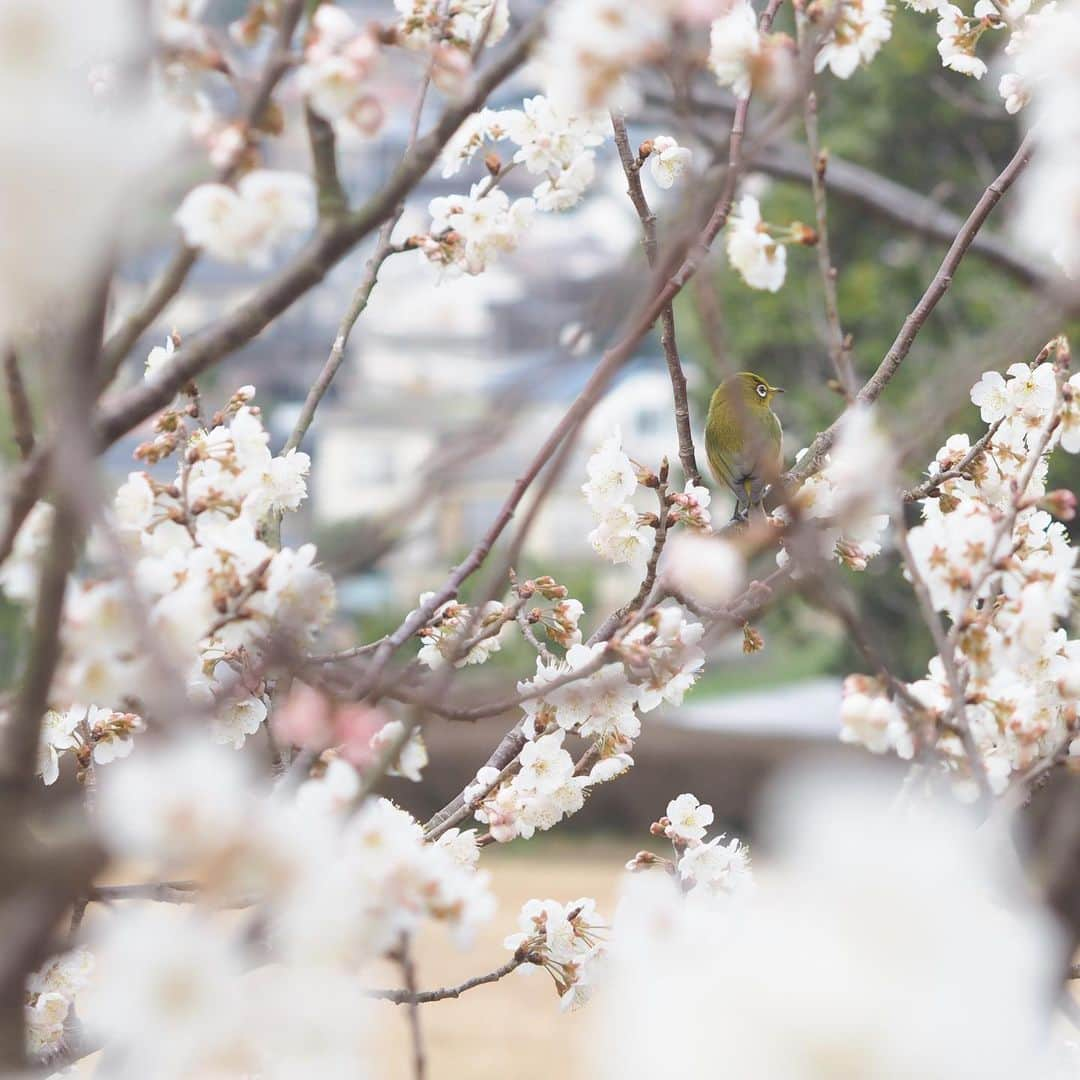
[[898, 351], [960, 470], [383, 250], [18, 763], [425, 997], [839, 352], [631, 164], [22, 416], [333, 202], [416, 1031], [29, 481]]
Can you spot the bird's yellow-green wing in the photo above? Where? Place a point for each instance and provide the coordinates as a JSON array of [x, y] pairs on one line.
[[722, 440]]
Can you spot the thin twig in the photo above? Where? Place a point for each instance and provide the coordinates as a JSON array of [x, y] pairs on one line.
[[839, 352], [22, 417], [382, 252], [416, 1031], [632, 169], [425, 997], [929, 488], [872, 389]]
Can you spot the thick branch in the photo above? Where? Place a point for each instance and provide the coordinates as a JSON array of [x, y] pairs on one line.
[[839, 353], [333, 202]]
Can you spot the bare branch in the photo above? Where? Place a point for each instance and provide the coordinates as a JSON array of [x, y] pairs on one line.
[[333, 202], [631, 164], [416, 1031], [22, 417], [839, 353], [424, 997]]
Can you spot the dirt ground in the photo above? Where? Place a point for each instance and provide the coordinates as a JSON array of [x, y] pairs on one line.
[[512, 1028]]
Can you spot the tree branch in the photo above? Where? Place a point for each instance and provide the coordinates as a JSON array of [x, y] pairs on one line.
[[839, 352], [22, 417], [632, 169], [425, 997]]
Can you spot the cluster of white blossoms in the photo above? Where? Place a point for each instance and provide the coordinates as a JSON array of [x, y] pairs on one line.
[[329, 889], [959, 36], [50, 995], [552, 142], [339, 57], [867, 914], [212, 593], [104, 147], [247, 224], [622, 534], [712, 871], [849, 496], [442, 636], [759, 256], [861, 27], [743, 58], [667, 160], [591, 45], [999, 566], [1047, 70], [566, 940], [469, 231], [91, 733], [461, 24], [597, 693]]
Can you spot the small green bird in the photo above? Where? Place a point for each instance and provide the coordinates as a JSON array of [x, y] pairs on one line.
[[744, 439]]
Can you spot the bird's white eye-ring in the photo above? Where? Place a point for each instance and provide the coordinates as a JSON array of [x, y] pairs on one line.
[[762, 390]]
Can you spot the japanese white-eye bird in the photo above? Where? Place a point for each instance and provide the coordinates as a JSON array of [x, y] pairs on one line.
[[743, 438]]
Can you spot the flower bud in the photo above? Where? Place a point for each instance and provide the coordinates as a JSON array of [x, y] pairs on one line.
[[1061, 503]]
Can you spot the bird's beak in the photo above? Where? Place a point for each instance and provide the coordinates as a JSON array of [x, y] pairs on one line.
[[777, 389]]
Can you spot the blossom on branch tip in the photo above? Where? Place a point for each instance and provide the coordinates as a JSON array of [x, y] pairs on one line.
[[668, 160], [760, 260], [247, 224]]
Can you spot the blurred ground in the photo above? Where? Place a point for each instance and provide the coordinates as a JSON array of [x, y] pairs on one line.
[[512, 1028]]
